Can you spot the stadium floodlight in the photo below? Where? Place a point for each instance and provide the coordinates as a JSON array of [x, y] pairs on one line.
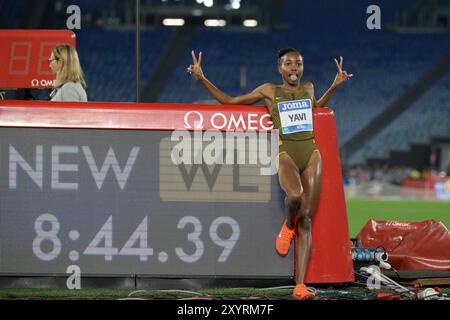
[[208, 3], [199, 1], [173, 22], [235, 4], [250, 23], [215, 23]]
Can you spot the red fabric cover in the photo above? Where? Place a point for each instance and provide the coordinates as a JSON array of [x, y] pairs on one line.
[[423, 245]]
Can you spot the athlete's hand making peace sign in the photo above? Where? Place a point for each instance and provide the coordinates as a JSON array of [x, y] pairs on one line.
[[195, 69], [341, 75]]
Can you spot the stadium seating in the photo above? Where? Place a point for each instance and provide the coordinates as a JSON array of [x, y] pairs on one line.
[[108, 59], [429, 117], [10, 12], [97, 7]]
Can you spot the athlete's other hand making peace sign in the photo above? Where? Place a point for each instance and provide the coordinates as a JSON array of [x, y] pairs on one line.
[[195, 69], [341, 75]]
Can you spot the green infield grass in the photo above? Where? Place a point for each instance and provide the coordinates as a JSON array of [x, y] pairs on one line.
[[359, 211]]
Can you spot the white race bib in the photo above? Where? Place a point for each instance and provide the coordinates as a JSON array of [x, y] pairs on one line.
[[295, 116]]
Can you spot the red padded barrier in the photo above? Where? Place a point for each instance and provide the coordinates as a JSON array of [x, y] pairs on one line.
[[330, 259]]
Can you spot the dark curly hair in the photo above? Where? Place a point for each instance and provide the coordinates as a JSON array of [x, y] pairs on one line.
[[284, 51]]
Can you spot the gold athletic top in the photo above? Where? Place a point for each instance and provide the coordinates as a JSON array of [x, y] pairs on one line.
[[281, 96]]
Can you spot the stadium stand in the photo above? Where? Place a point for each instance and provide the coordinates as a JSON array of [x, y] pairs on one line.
[[427, 118], [10, 13], [108, 59]]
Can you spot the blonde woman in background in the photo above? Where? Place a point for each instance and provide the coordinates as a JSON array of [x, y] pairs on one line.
[[70, 83]]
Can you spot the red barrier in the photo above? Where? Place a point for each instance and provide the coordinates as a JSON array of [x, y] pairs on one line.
[[330, 260], [331, 253], [145, 116], [24, 57]]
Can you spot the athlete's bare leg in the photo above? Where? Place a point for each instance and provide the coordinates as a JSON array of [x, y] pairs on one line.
[[290, 182], [311, 179]]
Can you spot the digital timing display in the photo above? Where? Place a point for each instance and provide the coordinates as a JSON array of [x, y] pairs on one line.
[[113, 202], [24, 57]]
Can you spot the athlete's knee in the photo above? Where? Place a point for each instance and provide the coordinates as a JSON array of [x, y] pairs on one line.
[[294, 200]]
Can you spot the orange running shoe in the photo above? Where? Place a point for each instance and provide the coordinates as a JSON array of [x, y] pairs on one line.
[[284, 239], [301, 292]]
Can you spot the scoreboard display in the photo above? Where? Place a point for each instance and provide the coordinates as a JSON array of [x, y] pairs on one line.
[[24, 57]]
